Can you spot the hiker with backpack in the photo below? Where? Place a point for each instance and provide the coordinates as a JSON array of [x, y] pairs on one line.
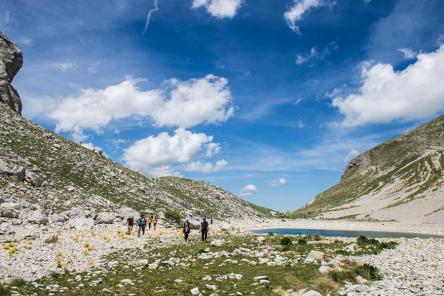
[[130, 222], [155, 220], [141, 223], [204, 229], [150, 221], [186, 229]]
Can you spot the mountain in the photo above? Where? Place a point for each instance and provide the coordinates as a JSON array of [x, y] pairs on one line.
[[44, 173], [401, 179]]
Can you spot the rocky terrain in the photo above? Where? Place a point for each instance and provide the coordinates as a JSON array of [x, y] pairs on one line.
[[11, 60], [401, 179], [47, 181], [238, 264]]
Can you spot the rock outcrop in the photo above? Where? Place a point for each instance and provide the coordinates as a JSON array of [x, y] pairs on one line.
[[11, 60]]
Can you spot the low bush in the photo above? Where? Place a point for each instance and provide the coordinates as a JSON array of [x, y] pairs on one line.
[[302, 241], [4, 290], [173, 216], [286, 241]]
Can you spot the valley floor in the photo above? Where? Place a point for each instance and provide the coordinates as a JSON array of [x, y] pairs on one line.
[[104, 260]]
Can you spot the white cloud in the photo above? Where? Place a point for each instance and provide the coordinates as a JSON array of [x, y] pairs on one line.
[[91, 146], [24, 40], [279, 182], [64, 67], [297, 10], [219, 8], [212, 149], [176, 104], [316, 54], [386, 95], [352, 154], [301, 59], [408, 53], [157, 155], [206, 167], [248, 190]]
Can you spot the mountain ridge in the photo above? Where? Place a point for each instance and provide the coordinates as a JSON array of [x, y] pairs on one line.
[[389, 177]]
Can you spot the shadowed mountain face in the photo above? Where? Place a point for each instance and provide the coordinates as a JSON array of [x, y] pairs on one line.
[[401, 179], [11, 61], [39, 168]]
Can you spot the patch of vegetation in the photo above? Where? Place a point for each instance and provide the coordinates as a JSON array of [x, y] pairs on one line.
[[190, 273], [4, 290], [286, 241], [302, 241], [173, 216], [366, 271]]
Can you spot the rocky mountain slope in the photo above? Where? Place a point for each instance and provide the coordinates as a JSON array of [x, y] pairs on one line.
[[44, 177], [401, 179]]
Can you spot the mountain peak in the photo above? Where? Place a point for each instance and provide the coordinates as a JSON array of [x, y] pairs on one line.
[[11, 60]]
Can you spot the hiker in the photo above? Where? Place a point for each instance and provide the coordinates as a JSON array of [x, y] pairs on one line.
[[130, 222], [150, 221], [155, 220], [204, 229], [211, 221], [141, 222], [186, 229]]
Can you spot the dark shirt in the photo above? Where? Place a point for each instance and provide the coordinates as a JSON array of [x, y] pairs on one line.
[[130, 221], [204, 226]]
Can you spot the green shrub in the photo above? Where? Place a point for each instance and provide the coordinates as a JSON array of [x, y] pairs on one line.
[[370, 272], [173, 216], [302, 241], [286, 241], [4, 290], [362, 240], [17, 282]]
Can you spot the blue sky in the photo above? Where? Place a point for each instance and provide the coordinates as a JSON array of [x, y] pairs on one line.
[[267, 99]]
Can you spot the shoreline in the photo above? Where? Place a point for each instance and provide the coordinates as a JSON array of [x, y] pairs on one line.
[[340, 225]]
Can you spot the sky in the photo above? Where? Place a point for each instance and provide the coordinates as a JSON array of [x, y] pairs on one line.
[[268, 99]]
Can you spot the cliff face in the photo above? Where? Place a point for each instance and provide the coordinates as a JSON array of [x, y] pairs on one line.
[[11, 60]]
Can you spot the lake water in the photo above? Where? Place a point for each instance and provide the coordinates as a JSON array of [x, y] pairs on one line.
[[345, 233]]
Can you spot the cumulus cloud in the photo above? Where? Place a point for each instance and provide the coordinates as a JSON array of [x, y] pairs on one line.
[[386, 95], [248, 190], [64, 67], [279, 182], [296, 12], [206, 167], [219, 8], [157, 155], [408, 53], [175, 104]]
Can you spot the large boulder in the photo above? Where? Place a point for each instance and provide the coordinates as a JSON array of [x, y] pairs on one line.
[[11, 60], [314, 256], [81, 223], [37, 217], [10, 210], [125, 212], [105, 218], [11, 169]]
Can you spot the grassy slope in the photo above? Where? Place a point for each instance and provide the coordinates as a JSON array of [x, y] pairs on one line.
[[400, 159], [68, 164]]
